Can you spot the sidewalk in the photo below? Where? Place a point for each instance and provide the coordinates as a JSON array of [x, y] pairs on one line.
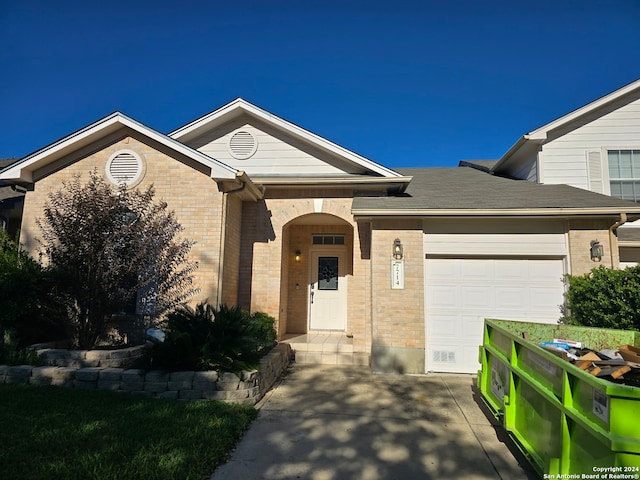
[[334, 423]]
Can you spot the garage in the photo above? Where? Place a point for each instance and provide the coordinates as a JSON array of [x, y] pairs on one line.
[[461, 292]]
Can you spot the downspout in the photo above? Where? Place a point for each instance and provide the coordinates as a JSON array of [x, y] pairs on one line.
[[223, 228], [613, 240], [223, 236]]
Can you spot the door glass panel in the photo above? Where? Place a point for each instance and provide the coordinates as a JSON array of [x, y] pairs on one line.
[[327, 273]]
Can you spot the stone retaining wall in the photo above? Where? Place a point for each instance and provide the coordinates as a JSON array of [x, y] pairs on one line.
[[247, 387], [120, 358]]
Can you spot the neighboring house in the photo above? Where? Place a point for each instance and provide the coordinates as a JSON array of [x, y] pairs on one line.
[[596, 148], [11, 202], [407, 263]]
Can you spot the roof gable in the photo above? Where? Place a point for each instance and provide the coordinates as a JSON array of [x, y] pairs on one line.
[[22, 171], [528, 143], [239, 113]]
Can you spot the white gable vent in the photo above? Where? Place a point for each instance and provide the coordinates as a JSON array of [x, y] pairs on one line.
[[242, 145], [125, 167]]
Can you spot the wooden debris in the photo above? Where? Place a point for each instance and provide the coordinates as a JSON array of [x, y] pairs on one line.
[[558, 353], [630, 353], [592, 356], [612, 371]]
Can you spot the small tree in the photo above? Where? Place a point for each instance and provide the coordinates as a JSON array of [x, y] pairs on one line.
[[109, 245], [605, 298]]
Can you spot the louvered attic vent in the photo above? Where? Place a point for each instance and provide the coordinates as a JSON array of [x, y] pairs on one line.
[[124, 167], [242, 145]]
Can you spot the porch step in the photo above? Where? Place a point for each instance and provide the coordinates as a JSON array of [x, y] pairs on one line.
[[325, 348]]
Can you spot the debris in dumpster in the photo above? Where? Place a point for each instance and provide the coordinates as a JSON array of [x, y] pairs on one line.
[[620, 365], [630, 353], [571, 343]]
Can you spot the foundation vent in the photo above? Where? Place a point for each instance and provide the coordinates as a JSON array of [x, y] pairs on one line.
[[444, 356]]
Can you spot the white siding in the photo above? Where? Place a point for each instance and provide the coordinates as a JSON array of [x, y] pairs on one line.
[[526, 170], [493, 237], [275, 154], [566, 156]]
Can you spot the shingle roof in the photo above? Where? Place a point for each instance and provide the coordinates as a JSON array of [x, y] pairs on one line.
[[464, 189]]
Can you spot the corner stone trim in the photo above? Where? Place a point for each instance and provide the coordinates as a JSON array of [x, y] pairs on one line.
[[247, 387]]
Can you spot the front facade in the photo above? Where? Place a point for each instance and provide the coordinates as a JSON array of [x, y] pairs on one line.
[[406, 264]]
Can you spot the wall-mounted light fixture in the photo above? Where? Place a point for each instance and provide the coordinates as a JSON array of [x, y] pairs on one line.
[[397, 249], [596, 251], [298, 255]]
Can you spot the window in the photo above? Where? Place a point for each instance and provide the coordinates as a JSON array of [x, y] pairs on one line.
[[624, 174], [327, 273], [327, 239]]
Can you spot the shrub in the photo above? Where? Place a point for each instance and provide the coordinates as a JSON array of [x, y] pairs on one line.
[[605, 298], [13, 353], [111, 247], [29, 306], [206, 338]]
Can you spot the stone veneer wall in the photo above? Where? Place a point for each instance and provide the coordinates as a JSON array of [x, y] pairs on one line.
[[248, 387]]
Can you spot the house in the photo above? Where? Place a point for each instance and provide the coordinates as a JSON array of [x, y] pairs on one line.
[[404, 265], [596, 148]]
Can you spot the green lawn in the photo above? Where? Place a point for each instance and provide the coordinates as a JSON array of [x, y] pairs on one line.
[[58, 433]]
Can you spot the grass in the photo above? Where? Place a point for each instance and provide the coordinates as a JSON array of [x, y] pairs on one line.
[[52, 432]]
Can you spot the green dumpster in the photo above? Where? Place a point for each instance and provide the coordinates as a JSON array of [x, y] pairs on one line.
[[564, 419]]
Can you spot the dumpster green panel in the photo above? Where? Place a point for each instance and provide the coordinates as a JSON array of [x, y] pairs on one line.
[[566, 420], [537, 421]]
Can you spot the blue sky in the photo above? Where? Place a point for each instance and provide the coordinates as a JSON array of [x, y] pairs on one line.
[[404, 83]]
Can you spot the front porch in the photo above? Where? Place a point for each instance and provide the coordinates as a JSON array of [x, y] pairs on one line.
[[325, 348]]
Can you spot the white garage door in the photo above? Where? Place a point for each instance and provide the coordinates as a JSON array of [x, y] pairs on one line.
[[461, 293]]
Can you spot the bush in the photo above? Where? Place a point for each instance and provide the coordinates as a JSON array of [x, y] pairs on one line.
[[13, 353], [605, 298], [206, 338], [112, 247], [29, 306]]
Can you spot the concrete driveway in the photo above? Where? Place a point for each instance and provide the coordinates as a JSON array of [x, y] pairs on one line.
[[338, 422]]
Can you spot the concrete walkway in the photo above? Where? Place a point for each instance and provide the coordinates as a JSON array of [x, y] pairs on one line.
[[342, 422]]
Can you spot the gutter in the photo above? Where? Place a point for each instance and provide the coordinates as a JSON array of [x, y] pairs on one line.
[[613, 240], [544, 212]]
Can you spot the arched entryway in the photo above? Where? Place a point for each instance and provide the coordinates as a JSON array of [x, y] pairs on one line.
[[317, 265]]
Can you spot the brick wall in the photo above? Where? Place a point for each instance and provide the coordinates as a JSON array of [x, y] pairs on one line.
[[581, 233], [398, 315], [192, 194], [233, 226], [270, 236]]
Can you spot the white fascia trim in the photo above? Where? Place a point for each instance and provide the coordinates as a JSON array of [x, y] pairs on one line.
[[219, 170], [539, 135], [299, 132], [363, 180], [543, 212], [20, 171]]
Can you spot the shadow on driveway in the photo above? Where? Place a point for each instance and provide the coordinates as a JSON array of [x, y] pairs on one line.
[[334, 422]]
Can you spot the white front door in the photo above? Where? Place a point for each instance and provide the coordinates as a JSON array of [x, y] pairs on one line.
[[328, 290]]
